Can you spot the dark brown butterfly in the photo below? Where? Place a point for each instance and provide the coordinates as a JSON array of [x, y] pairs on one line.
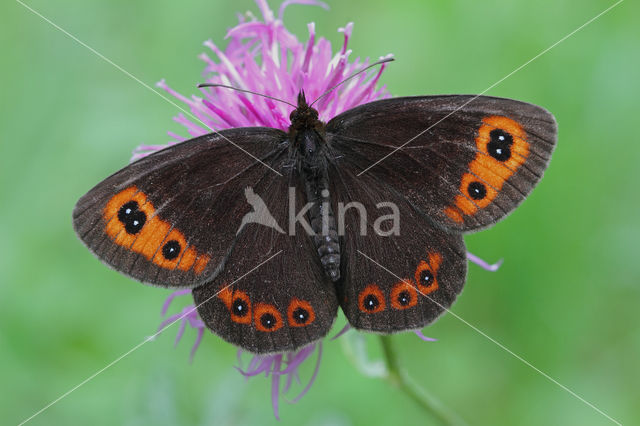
[[175, 218]]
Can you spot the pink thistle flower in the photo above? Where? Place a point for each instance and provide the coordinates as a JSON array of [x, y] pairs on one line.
[[277, 366], [483, 263], [264, 57], [282, 365], [188, 315]]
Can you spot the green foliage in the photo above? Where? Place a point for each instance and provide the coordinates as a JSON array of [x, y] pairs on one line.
[[566, 298]]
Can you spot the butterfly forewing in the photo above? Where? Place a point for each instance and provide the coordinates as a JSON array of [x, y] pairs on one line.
[[465, 161], [170, 218]]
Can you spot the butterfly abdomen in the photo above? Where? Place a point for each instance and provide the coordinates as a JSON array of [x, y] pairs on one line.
[[323, 224], [313, 169]]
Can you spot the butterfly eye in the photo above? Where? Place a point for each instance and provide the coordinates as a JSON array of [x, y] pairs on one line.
[[294, 115], [371, 300], [131, 217], [300, 313], [499, 145], [267, 318]]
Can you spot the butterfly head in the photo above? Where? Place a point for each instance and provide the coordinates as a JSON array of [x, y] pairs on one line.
[[304, 118]]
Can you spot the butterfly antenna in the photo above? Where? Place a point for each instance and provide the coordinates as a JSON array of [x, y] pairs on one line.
[[201, 85], [381, 61]]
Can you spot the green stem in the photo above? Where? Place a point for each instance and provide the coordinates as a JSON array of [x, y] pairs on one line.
[[421, 397]]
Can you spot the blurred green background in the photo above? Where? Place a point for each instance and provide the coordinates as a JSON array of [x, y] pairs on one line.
[[567, 298]]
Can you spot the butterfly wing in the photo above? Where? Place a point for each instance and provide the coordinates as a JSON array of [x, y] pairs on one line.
[[465, 161], [399, 274], [170, 218], [273, 294]]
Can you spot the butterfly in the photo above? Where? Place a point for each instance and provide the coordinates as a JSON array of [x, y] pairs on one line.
[[449, 164]]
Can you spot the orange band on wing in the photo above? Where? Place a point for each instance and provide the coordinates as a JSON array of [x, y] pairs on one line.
[[131, 222], [502, 148], [454, 214]]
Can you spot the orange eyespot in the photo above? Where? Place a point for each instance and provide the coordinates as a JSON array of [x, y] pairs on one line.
[[403, 295], [426, 275], [501, 138], [126, 214], [371, 300], [300, 313], [266, 317], [502, 149], [132, 223], [238, 304]]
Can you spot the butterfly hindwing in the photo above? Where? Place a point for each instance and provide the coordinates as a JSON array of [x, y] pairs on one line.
[[273, 294], [401, 280], [466, 161], [170, 218]]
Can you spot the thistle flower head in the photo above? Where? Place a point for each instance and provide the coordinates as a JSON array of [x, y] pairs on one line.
[[264, 57]]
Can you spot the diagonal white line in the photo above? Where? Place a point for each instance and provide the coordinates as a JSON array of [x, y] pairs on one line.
[[147, 339], [101, 56], [493, 85], [518, 357]]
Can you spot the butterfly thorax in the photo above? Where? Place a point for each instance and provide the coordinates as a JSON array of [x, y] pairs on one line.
[[308, 147], [304, 118]]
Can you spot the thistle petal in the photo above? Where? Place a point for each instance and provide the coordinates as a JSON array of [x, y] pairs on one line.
[[484, 264]]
